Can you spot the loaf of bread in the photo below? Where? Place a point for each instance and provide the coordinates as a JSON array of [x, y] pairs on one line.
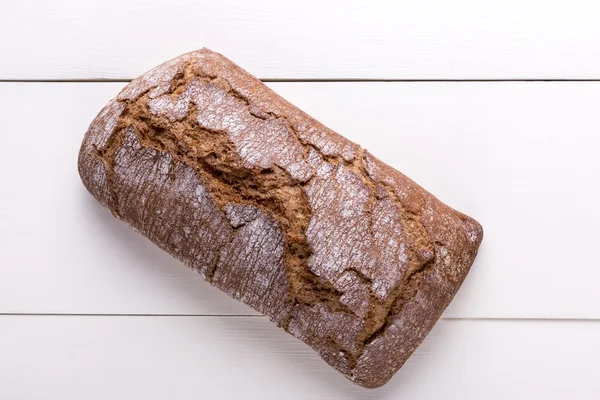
[[280, 212]]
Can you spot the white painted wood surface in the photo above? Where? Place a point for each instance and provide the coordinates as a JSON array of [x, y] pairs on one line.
[[89, 309], [309, 39], [248, 358], [519, 157]]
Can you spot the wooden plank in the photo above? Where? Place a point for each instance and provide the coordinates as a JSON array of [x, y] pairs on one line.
[[312, 39], [231, 358], [519, 157]]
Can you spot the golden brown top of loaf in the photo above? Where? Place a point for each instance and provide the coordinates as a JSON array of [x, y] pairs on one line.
[[279, 211]]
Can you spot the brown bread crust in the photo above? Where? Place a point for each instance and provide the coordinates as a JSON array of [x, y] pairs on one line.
[[280, 212]]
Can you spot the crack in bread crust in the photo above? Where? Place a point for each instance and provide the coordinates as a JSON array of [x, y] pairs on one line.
[[355, 238]]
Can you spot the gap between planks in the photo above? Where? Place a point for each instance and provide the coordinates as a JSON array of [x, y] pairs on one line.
[[262, 316], [308, 80]]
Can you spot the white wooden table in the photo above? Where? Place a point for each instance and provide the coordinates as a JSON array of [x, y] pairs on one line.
[[492, 106]]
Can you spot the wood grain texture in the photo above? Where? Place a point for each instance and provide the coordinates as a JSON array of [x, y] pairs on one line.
[[529, 177], [231, 358], [313, 39]]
